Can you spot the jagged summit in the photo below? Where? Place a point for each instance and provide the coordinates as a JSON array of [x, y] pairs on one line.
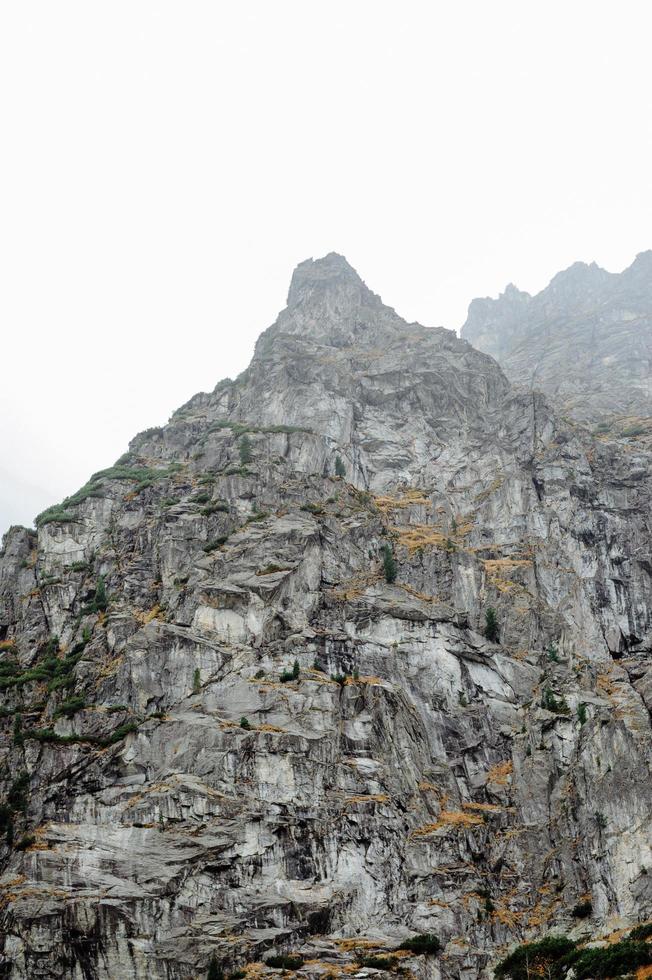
[[603, 320], [328, 301], [331, 271]]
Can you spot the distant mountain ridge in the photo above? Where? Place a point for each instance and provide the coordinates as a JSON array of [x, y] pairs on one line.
[[585, 340]]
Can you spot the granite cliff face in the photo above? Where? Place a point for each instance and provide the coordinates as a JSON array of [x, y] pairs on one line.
[[585, 340], [224, 732]]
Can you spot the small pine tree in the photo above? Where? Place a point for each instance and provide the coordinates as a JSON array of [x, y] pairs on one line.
[[244, 723], [245, 450], [340, 468], [18, 737], [581, 713], [491, 625], [295, 670], [389, 564], [215, 971], [100, 602], [196, 681]]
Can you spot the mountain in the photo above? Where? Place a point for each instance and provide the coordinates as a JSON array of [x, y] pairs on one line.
[[585, 340], [352, 654]]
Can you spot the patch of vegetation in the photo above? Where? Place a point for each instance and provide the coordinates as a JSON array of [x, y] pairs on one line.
[[377, 962], [257, 517], [582, 910], [535, 959], [313, 508], [491, 630], [601, 962], [214, 508], [291, 675], [551, 703], [272, 568], [553, 654], [239, 428], [390, 568], [54, 515], [16, 802], [25, 841], [236, 470], [99, 602], [169, 501], [69, 707], [246, 455], [49, 735], [285, 962], [200, 498], [581, 713], [641, 933], [634, 430], [426, 944], [215, 971], [141, 475], [244, 723], [215, 543], [196, 681], [49, 668], [340, 468]]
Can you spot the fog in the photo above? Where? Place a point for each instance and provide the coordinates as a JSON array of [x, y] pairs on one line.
[[165, 166]]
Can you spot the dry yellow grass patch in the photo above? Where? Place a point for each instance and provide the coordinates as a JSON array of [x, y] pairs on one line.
[[415, 536], [506, 916], [410, 498], [482, 807], [346, 945], [497, 571], [7, 645], [146, 617], [355, 587], [254, 969], [270, 728], [418, 595], [367, 798], [455, 819], [366, 679], [501, 773], [495, 484], [110, 668]]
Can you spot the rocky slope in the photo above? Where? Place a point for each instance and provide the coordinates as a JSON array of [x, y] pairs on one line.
[[224, 732], [585, 340]]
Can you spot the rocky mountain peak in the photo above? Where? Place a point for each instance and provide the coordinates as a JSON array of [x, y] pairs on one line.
[[346, 666], [604, 318], [330, 303], [316, 276]]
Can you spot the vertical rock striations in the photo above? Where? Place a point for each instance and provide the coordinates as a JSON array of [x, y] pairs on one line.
[[226, 733]]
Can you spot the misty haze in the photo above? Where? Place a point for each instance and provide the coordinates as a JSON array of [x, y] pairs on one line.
[[326, 492]]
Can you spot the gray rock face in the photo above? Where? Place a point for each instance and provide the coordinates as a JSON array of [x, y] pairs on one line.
[[585, 340], [224, 732]]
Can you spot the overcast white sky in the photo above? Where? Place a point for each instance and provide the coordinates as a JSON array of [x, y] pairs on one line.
[[164, 166]]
